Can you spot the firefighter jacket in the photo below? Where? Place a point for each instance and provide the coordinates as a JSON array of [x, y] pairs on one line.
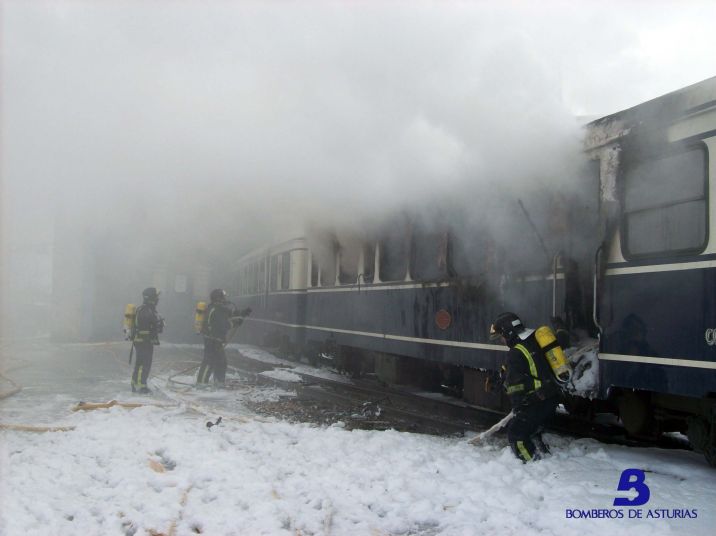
[[528, 376], [218, 321], [148, 324]]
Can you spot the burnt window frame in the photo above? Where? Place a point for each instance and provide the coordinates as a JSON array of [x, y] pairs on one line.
[[346, 277], [274, 280], [315, 281], [368, 249], [250, 278], [285, 279], [623, 224], [333, 268], [417, 270], [261, 266]]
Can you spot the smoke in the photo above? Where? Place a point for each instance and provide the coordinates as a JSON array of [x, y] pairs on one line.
[[250, 112], [203, 130]]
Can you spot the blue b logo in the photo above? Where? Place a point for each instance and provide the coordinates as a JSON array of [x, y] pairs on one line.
[[632, 479]]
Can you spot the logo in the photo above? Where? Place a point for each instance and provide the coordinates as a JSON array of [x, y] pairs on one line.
[[710, 336], [633, 479]]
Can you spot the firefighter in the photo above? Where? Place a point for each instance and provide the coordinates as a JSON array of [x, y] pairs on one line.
[[148, 324], [530, 385], [220, 317]]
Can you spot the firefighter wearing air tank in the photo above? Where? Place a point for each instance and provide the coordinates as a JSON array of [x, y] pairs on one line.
[[218, 321], [534, 366], [146, 326]]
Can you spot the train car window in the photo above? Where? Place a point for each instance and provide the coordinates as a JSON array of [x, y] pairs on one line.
[[250, 279], [261, 276], [285, 269], [583, 214], [273, 273], [470, 253], [236, 288], [393, 259], [349, 257], [314, 271], [665, 208], [368, 263], [328, 267], [429, 255], [394, 252], [254, 282]]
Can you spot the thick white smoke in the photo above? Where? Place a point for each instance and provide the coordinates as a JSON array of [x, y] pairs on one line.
[[229, 124]]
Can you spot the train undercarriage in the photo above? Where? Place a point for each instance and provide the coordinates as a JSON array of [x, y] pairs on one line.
[[644, 415]]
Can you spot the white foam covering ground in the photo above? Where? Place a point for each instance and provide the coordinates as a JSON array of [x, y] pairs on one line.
[[258, 476]]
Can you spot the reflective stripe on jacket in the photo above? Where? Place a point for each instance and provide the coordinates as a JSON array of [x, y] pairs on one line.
[[528, 372]]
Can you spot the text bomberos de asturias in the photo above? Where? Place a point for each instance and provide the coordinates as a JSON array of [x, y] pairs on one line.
[[632, 513]]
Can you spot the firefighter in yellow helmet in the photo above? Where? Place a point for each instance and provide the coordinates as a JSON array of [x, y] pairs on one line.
[[530, 385]]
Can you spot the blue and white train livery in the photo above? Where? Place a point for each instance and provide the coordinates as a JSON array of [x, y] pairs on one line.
[[632, 264]]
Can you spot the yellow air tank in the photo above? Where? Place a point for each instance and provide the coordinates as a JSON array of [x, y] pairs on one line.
[[199, 315], [554, 353], [130, 315]]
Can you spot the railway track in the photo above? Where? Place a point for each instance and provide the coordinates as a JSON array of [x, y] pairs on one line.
[[365, 403], [377, 406], [369, 404], [376, 409]]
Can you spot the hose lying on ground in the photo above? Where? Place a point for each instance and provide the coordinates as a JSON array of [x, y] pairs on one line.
[[88, 406], [171, 380], [27, 428]]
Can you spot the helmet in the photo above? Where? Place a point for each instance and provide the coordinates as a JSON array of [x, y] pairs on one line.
[[218, 295], [150, 295], [507, 325]]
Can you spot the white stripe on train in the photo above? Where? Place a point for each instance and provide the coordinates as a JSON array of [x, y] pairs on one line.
[[459, 344]]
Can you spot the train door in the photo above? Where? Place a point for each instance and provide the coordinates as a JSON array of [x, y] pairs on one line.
[[657, 275]]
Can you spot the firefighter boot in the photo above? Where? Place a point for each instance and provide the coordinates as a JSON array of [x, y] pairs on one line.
[[541, 446]]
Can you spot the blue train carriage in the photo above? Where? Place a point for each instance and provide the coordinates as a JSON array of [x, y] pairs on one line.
[[272, 281], [410, 300], [656, 284], [624, 257]]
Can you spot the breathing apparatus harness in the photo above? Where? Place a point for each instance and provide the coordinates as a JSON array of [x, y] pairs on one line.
[[509, 326], [131, 329], [203, 314]]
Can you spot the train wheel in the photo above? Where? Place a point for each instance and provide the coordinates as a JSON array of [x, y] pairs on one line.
[[312, 357], [636, 413], [703, 438], [710, 455], [286, 349], [311, 351]]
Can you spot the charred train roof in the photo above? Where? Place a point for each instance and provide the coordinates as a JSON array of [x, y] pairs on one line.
[[652, 115]]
